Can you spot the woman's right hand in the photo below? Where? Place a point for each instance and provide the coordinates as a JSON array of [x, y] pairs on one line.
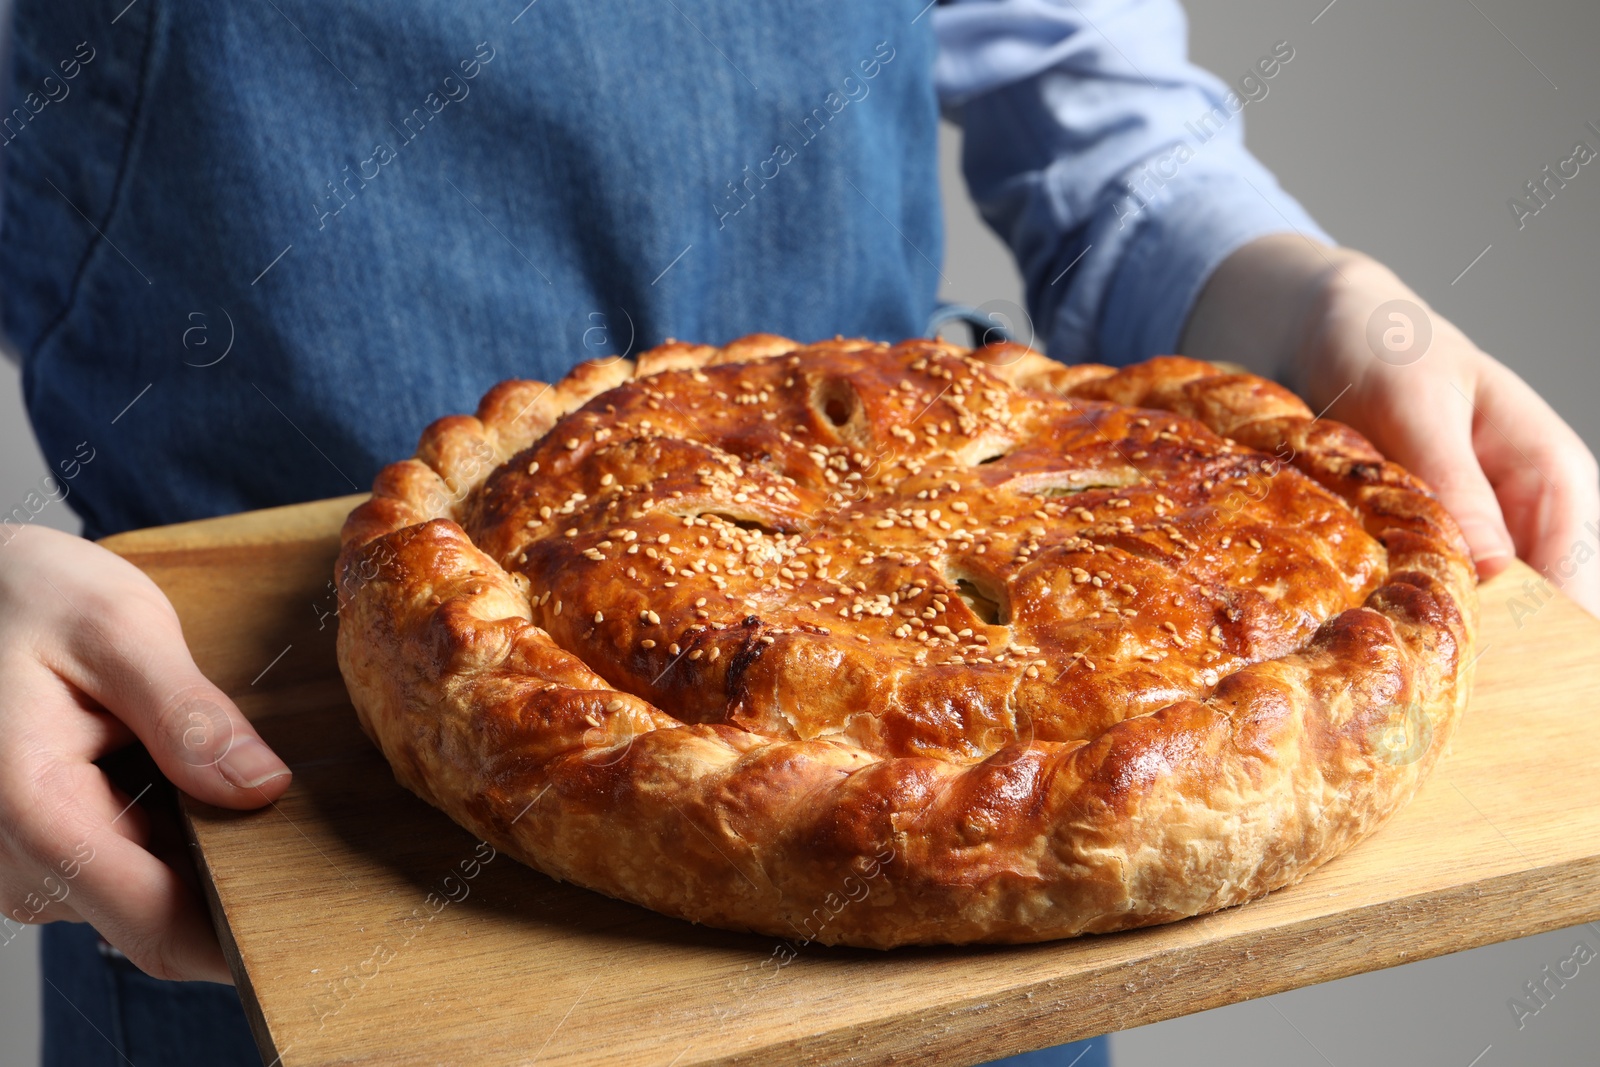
[[91, 659]]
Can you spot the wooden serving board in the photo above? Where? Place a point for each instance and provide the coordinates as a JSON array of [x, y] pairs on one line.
[[365, 927]]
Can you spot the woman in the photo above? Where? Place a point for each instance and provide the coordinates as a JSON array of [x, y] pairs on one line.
[[249, 250]]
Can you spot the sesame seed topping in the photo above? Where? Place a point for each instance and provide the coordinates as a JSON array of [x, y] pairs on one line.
[[814, 491]]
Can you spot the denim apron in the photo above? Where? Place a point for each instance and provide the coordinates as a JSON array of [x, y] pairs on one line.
[[249, 249]]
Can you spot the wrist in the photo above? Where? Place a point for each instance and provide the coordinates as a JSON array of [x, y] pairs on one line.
[[1264, 305], [1324, 362]]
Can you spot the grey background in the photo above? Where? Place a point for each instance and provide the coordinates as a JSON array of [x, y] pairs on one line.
[[1405, 129]]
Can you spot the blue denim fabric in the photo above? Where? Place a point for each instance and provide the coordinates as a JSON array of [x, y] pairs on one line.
[[102, 1011], [1095, 1052], [388, 208]]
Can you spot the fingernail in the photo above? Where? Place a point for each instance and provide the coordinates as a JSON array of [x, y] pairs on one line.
[[1495, 546], [1487, 539], [249, 764]]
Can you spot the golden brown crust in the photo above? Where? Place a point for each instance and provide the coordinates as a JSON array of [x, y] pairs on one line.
[[887, 645]]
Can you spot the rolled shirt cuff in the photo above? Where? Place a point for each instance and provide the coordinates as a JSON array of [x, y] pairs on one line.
[[1175, 233]]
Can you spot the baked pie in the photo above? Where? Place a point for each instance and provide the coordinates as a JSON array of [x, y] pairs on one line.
[[879, 644]]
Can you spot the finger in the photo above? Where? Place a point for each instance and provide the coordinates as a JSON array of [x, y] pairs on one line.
[[130, 657], [74, 857], [45, 898], [1438, 448], [134, 900], [21, 915], [1547, 483], [76, 733], [141, 906]]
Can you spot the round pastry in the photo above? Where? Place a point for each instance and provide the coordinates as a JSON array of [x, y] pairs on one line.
[[883, 645]]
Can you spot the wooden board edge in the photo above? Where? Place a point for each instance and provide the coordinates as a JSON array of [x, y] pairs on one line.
[[310, 521], [230, 948], [1248, 966]]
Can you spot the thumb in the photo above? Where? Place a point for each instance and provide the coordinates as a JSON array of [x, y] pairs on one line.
[[136, 665], [206, 747]]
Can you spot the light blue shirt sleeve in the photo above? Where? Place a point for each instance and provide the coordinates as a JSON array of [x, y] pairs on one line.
[[1113, 167]]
